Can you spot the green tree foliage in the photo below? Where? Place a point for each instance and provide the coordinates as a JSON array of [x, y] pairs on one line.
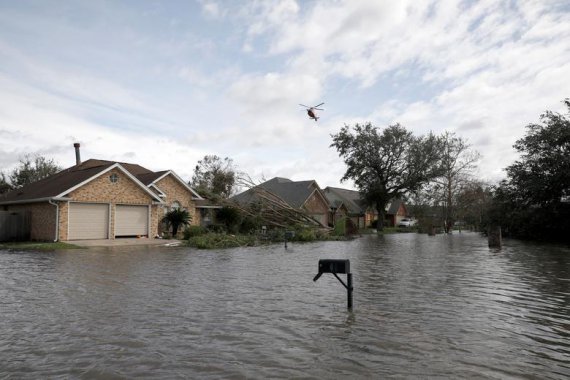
[[230, 218], [176, 218], [32, 169], [533, 201], [214, 176], [387, 164]]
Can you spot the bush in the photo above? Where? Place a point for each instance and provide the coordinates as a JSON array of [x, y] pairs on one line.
[[249, 225], [216, 228], [192, 231], [219, 241], [305, 234]]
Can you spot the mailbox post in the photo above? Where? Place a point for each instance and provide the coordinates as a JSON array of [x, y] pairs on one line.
[[288, 236], [335, 266]]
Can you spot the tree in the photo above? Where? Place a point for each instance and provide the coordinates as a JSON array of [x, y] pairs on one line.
[[176, 218], [532, 202], [542, 175], [214, 176], [4, 184], [32, 169], [473, 202], [387, 165], [457, 165]]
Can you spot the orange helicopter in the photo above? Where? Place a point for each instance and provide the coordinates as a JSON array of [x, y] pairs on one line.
[[311, 110]]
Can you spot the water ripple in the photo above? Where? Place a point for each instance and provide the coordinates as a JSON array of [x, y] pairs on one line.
[[441, 307]]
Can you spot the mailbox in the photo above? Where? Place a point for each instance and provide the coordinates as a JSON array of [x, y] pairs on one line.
[[334, 266], [289, 234]]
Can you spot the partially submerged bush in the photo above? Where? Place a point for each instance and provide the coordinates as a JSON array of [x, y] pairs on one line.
[[218, 241]]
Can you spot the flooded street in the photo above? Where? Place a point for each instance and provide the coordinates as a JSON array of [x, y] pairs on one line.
[[443, 307]]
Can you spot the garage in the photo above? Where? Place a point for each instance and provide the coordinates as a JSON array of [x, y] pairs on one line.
[[88, 221], [131, 220]]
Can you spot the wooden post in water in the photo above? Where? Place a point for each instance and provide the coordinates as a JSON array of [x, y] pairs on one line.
[[494, 236]]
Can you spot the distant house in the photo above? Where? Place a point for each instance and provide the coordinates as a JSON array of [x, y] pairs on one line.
[[100, 199], [358, 211], [301, 195], [395, 212], [349, 200]]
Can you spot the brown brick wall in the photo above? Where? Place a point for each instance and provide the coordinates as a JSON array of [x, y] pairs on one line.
[[175, 191], [43, 219], [102, 190]]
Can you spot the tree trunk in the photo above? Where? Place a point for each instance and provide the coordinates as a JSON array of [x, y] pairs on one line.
[[380, 211]]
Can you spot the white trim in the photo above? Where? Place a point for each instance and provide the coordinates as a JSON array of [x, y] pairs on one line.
[[160, 192], [56, 219], [148, 235], [114, 166], [36, 200], [111, 231], [196, 195]]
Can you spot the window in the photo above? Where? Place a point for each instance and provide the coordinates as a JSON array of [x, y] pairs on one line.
[[175, 206], [114, 178]]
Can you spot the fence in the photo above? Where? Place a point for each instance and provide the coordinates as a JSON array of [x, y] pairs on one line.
[[15, 226]]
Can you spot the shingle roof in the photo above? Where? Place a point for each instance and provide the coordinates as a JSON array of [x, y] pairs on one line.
[[295, 193], [350, 198], [64, 180], [148, 178]]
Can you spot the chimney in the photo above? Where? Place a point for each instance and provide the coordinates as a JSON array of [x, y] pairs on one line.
[[77, 155]]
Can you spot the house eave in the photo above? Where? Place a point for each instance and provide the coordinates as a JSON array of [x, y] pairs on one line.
[[36, 200]]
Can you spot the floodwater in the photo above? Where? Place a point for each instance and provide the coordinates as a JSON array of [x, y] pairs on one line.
[[424, 307]]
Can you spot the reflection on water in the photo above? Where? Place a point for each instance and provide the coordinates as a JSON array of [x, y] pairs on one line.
[[443, 306]]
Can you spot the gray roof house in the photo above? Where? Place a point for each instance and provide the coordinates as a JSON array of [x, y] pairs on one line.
[[302, 195]]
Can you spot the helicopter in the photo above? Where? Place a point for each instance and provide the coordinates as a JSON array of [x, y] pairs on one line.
[[311, 110]]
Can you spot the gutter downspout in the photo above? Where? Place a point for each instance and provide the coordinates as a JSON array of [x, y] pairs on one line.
[[56, 219]]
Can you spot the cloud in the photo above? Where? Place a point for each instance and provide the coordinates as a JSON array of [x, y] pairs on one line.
[[165, 85]]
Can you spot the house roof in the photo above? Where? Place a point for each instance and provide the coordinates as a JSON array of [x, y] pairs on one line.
[[295, 193], [65, 181], [394, 207], [350, 198]]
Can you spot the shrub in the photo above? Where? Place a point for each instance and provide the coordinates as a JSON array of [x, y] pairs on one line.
[[305, 234], [219, 241], [192, 231]]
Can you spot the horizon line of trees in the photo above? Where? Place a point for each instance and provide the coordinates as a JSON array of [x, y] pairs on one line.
[[435, 174]]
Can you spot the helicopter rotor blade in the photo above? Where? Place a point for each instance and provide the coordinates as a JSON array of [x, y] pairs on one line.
[[318, 105], [302, 105], [320, 109]]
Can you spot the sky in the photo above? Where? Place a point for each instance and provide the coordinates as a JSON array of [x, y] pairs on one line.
[[164, 83]]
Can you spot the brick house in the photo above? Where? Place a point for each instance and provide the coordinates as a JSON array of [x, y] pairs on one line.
[[359, 212], [100, 199], [302, 195]]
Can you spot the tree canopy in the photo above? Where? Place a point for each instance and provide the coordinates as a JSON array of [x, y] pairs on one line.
[[214, 176], [32, 168], [387, 164], [542, 174], [532, 202], [458, 163]]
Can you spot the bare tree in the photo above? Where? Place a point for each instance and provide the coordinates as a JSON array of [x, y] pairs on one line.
[[458, 164]]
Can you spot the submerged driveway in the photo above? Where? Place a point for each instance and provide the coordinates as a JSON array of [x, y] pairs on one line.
[[124, 242]]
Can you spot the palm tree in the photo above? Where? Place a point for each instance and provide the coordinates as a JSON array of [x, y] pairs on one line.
[[177, 218]]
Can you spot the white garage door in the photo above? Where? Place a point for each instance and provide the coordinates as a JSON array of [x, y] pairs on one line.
[[131, 220], [88, 221]]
